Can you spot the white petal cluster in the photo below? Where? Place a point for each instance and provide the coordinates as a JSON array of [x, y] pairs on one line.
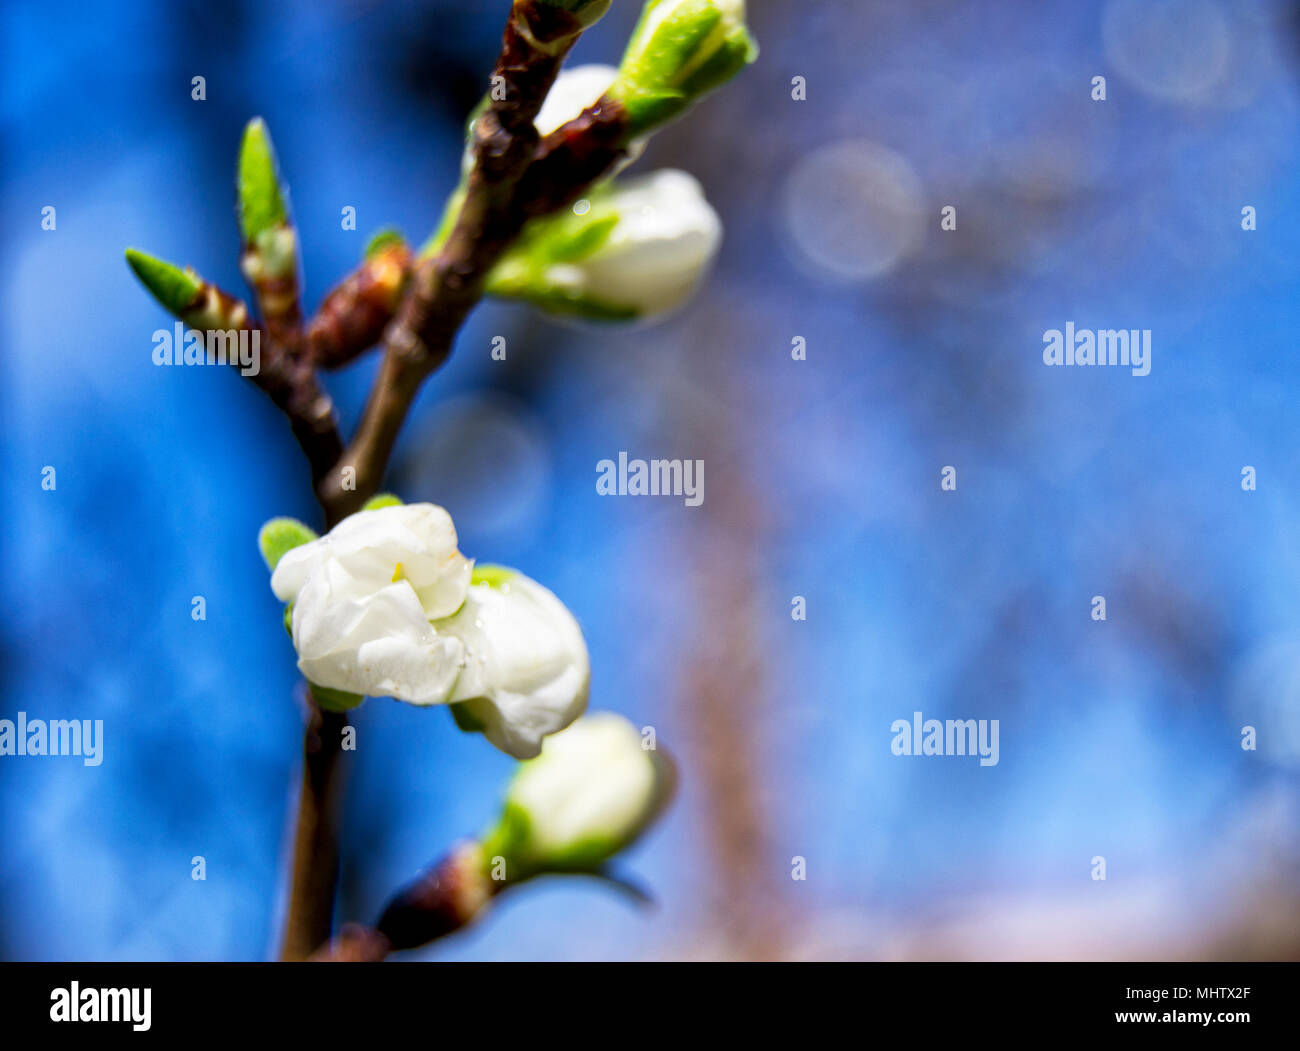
[[384, 605]]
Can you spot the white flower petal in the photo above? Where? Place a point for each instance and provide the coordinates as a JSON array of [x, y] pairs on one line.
[[355, 627], [379, 645], [414, 542], [526, 667]]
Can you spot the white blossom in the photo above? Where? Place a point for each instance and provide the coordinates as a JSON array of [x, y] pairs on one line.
[[385, 605]]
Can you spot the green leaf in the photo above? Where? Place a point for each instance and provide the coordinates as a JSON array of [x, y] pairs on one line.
[[280, 535], [261, 202], [381, 500], [174, 288]]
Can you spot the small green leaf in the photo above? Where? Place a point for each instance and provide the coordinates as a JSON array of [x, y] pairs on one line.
[[334, 700], [381, 500], [261, 202], [280, 535], [174, 288]]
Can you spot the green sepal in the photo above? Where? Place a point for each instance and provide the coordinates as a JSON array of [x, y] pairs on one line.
[[493, 576], [554, 301], [381, 500], [334, 700], [384, 239], [450, 211], [558, 239], [174, 288], [280, 535], [660, 76], [261, 200], [508, 839], [466, 719], [573, 246], [738, 51], [288, 619]]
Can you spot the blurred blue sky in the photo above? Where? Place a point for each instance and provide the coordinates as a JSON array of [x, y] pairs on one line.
[[822, 480]]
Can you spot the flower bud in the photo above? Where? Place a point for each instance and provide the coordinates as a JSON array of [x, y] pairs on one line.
[[679, 51], [592, 792], [186, 295], [269, 261], [639, 248], [261, 201], [526, 669]]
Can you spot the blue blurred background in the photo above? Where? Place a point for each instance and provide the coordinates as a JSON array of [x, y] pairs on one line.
[[1119, 739]]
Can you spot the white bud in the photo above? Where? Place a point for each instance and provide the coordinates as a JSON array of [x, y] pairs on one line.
[[594, 789], [655, 236], [526, 669]]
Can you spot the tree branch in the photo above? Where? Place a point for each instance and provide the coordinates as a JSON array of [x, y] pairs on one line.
[[315, 850], [440, 901], [502, 192], [513, 179]]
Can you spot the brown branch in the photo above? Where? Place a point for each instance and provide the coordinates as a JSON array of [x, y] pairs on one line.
[[440, 901], [513, 179], [292, 385], [315, 850], [353, 316], [502, 192]]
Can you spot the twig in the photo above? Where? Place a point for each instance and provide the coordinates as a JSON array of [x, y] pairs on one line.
[[315, 850], [513, 179], [440, 901]]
